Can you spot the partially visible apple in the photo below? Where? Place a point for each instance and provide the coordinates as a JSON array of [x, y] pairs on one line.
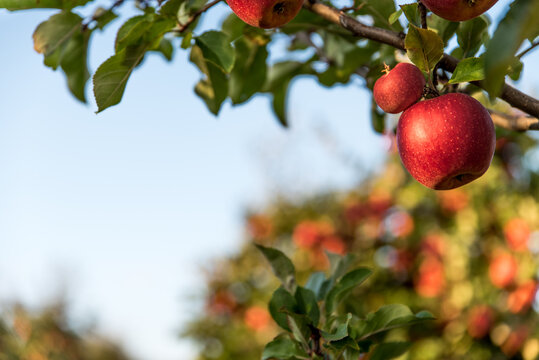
[[399, 88], [266, 13], [502, 269], [458, 10], [446, 142], [480, 319], [517, 232]]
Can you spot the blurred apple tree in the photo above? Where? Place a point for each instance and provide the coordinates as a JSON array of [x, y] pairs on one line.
[[470, 256], [47, 334]]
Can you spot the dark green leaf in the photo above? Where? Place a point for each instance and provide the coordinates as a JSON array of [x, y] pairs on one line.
[[171, 7], [54, 33], [216, 49], [166, 49], [213, 89], [132, 31], [282, 267], [424, 47], [307, 304], [250, 59], [284, 348], [13, 5], [74, 64], [470, 69], [389, 350], [444, 28], [519, 23], [339, 332], [411, 11], [344, 286], [315, 283], [103, 17], [471, 35], [298, 325], [282, 301]]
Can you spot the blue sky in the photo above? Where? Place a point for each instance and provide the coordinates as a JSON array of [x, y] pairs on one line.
[[120, 210]]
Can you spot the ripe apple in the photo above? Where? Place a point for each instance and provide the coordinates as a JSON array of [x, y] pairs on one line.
[[522, 297], [266, 13], [502, 269], [446, 142], [430, 280], [399, 88], [458, 10], [480, 319], [517, 232]]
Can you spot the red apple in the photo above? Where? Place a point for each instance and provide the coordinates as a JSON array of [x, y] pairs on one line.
[[522, 297], [446, 142], [517, 232], [480, 319], [430, 280], [399, 88], [502, 269], [458, 10], [266, 13], [257, 318]]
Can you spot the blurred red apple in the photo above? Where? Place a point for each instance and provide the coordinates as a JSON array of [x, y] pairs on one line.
[[453, 200], [522, 297], [266, 13], [515, 340], [502, 269], [257, 318], [458, 10], [480, 319], [517, 232], [399, 88], [430, 280], [446, 142], [334, 244], [259, 226]]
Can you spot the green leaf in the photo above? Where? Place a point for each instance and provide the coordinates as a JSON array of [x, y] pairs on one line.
[[282, 267], [518, 24], [111, 77], [166, 49], [171, 8], [424, 47], [411, 11], [344, 286], [298, 325], [213, 89], [444, 28], [380, 11], [307, 304], [390, 317], [74, 64], [216, 49], [378, 118], [13, 5], [283, 348], [132, 31], [250, 59], [315, 283], [393, 18], [281, 302], [103, 17], [389, 350], [339, 332], [52, 34], [470, 69], [471, 35]]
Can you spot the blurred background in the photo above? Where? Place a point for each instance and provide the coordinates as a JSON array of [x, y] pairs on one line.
[[121, 231]]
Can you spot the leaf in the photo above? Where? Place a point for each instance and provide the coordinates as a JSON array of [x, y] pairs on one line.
[[111, 77], [315, 283], [518, 24], [250, 59], [378, 118], [424, 47], [13, 5], [280, 302], [298, 325], [52, 34], [340, 332], [411, 11], [380, 11], [166, 49], [216, 49], [171, 8], [283, 348], [282, 267], [213, 89], [132, 31], [444, 28], [307, 304], [389, 350], [470, 69], [390, 317], [393, 18], [344, 286], [74, 64], [103, 17], [471, 35]]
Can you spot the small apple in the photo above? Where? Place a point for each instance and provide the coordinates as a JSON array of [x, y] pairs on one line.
[[502, 269], [517, 232], [446, 142], [522, 297], [266, 13], [430, 280], [458, 10], [480, 319], [257, 318], [399, 88]]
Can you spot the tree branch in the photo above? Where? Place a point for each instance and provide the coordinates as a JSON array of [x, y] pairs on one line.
[[423, 13], [192, 19], [513, 96], [514, 122], [524, 52]]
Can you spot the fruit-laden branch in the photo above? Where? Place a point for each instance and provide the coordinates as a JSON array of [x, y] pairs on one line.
[[513, 96]]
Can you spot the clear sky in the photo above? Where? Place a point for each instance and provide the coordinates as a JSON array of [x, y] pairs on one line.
[[121, 209]]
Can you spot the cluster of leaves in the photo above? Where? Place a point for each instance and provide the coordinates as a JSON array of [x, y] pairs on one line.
[[47, 335], [321, 332], [327, 51], [431, 251]]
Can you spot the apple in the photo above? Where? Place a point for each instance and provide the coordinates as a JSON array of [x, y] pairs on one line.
[[430, 280], [502, 269], [257, 318], [522, 297], [399, 88], [446, 142], [458, 10], [480, 319], [517, 232], [266, 13]]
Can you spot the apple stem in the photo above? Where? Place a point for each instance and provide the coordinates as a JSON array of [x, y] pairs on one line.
[[386, 69]]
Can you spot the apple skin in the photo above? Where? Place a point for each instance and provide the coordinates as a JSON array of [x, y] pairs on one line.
[[400, 88], [446, 142], [266, 14], [458, 10]]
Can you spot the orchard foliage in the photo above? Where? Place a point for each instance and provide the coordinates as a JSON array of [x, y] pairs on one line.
[[47, 334], [469, 256], [331, 50]]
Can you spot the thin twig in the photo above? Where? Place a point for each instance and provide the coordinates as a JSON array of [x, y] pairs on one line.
[[423, 13], [513, 96], [524, 52], [192, 19]]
